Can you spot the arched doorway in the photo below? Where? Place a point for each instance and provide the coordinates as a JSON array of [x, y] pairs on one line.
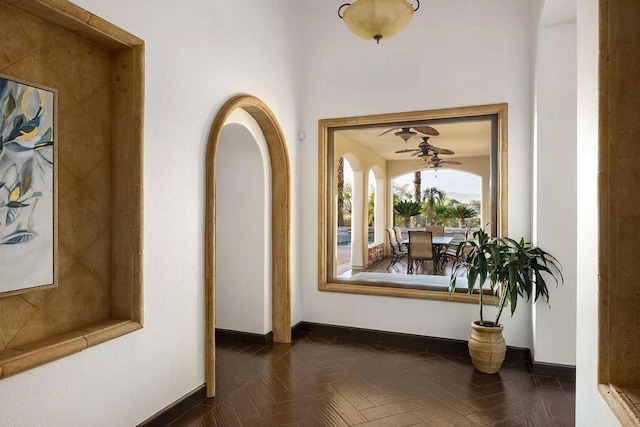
[[280, 225], [243, 228]]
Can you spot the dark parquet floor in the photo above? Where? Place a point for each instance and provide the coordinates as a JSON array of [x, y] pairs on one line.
[[324, 381]]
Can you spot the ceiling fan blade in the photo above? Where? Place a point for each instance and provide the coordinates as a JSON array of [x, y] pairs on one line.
[[442, 151], [451, 162], [417, 153], [406, 150], [426, 130], [387, 131]]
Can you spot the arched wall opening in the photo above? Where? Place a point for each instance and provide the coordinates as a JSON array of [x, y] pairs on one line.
[[280, 225], [243, 227], [354, 182], [344, 212], [467, 185]]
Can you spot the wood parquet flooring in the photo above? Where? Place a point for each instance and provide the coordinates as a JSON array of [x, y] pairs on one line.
[[324, 381]]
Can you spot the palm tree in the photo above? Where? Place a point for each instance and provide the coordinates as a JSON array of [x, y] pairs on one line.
[[417, 195], [372, 205], [442, 215], [341, 192], [417, 187], [432, 196], [407, 210], [462, 212]]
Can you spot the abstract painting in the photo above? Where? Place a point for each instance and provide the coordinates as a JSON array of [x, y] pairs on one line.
[[27, 186]]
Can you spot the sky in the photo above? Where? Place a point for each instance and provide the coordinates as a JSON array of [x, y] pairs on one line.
[[449, 181]]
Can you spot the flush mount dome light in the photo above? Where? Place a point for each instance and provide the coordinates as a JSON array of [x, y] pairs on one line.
[[377, 19]]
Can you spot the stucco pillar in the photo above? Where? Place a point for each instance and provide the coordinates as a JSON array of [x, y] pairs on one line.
[[379, 211], [485, 207], [358, 222]]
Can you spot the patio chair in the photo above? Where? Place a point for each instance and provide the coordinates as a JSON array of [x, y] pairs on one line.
[[420, 249], [436, 230], [397, 250], [450, 252], [398, 232]]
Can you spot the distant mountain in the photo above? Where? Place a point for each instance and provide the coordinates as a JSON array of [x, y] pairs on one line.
[[463, 197]]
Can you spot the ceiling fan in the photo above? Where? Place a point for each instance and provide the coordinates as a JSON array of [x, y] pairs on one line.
[[425, 149], [408, 132], [436, 162]]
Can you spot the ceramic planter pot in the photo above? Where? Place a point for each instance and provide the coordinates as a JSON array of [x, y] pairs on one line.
[[487, 347]]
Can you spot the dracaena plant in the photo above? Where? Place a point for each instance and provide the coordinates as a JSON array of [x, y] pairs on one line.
[[516, 268]]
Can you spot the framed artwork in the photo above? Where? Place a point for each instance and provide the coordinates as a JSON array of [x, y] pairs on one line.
[[28, 190]]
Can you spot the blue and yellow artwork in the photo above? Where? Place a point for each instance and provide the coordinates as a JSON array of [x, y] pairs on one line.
[[27, 199]]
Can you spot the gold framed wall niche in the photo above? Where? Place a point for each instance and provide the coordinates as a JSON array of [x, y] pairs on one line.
[[98, 71], [326, 129], [619, 200]]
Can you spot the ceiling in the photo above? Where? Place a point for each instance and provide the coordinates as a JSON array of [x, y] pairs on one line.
[[467, 139]]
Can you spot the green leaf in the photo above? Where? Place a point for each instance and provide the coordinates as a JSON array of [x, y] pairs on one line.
[[482, 267], [26, 176], [513, 297], [9, 106], [472, 277]]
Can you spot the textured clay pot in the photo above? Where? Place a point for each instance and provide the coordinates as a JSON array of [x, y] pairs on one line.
[[487, 348]]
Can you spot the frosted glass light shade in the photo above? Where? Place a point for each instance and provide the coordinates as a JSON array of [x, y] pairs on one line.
[[376, 19]]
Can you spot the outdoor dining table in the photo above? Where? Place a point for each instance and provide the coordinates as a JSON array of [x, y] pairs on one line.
[[439, 243]]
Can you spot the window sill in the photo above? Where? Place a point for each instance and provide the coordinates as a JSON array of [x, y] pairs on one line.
[[16, 360]]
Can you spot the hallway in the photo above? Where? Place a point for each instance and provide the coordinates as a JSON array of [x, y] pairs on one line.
[[327, 381]]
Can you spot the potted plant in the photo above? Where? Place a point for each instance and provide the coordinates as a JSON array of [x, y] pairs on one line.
[[512, 269], [407, 210]]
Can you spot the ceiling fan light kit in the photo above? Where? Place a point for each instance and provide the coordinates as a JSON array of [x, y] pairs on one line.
[[405, 134], [377, 19]]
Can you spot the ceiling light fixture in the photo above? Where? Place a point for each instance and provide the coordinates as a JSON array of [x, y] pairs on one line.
[[377, 19]]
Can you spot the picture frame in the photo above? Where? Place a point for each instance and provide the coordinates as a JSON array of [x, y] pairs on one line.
[[28, 186]]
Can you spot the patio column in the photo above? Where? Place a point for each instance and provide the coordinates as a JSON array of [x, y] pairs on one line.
[[379, 209], [389, 212], [485, 207], [358, 221]]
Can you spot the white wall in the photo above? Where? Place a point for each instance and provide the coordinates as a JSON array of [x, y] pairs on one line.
[[591, 409], [554, 198], [198, 55], [243, 229], [454, 53]]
